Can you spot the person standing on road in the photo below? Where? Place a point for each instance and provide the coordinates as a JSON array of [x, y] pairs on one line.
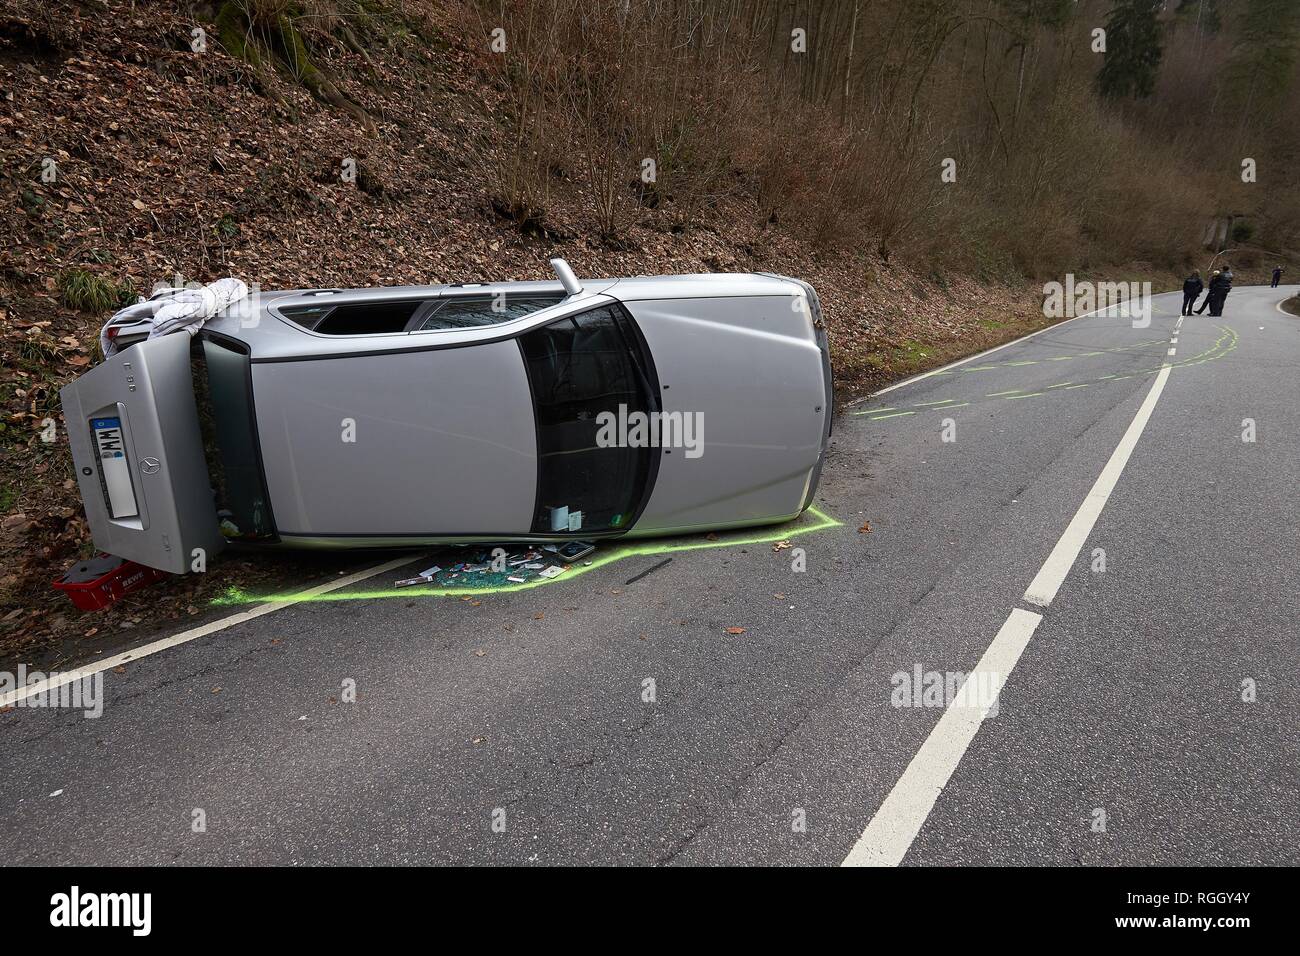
[[1277, 276], [1216, 279], [1220, 286], [1192, 287], [1225, 289]]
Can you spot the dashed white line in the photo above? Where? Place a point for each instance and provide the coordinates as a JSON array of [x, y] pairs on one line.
[[1172, 351], [890, 833], [1050, 576]]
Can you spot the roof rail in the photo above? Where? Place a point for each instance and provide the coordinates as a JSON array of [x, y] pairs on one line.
[[565, 274]]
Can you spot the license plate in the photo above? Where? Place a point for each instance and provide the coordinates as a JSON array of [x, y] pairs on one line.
[[114, 471]]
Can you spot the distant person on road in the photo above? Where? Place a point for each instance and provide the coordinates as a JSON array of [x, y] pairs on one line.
[[1224, 290], [1216, 279], [1277, 276], [1192, 287], [1220, 286]]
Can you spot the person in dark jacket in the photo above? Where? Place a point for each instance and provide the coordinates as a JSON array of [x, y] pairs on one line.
[[1277, 276], [1215, 282], [1220, 286], [1226, 287], [1192, 287]]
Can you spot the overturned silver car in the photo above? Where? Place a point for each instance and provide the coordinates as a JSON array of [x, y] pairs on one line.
[[452, 414]]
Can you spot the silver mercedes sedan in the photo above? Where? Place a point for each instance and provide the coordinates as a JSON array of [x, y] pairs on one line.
[[453, 414]]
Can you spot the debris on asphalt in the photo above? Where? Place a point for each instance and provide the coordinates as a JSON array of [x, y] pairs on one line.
[[424, 577], [494, 567]]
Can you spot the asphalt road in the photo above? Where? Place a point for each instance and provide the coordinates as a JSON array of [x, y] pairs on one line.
[[516, 729]]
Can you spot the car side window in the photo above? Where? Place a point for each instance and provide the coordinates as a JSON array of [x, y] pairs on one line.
[[358, 318], [579, 368], [469, 313]]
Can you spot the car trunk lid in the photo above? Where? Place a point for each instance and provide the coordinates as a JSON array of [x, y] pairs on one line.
[[134, 432]]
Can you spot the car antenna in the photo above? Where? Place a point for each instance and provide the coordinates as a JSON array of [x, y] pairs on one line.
[[565, 274]]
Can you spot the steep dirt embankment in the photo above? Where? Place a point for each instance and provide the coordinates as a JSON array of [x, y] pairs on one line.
[[127, 156]]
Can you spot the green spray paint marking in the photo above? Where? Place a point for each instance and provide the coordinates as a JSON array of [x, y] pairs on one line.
[[1226, 343], [799, 526], [1055, 358], [891, 415]]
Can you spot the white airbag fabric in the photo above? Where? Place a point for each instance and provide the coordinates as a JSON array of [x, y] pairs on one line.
[[173, 310]]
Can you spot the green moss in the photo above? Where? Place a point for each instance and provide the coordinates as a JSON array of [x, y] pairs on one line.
[[234, 32]]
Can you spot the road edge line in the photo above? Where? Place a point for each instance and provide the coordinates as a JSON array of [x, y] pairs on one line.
[[10, 698]]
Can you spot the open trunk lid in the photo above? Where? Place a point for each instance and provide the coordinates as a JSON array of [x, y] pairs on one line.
[[134, 430]]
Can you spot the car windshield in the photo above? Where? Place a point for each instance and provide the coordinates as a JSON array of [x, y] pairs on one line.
[[579, 368]]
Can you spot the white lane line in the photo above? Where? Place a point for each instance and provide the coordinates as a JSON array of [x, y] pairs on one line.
[[1050, 576], [1172, 351], [67, 677], [971, 358], [891, 831], [1174, 340]]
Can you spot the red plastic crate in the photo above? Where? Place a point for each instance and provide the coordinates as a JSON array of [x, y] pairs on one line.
[[104, 579]]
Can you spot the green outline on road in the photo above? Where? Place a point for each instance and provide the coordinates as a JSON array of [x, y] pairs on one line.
[[1057, 358], [791, 529], [1224, 344]]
